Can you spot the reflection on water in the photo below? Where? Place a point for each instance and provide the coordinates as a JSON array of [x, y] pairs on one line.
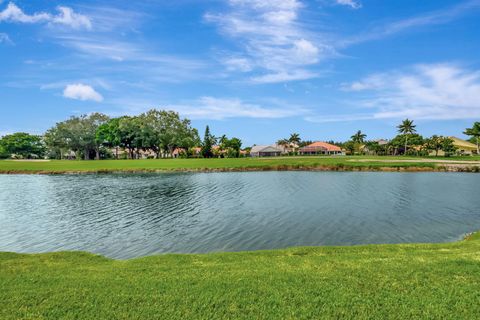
[[124, 216]]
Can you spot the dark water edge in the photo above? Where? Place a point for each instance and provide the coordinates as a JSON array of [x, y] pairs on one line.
[[131, 215]]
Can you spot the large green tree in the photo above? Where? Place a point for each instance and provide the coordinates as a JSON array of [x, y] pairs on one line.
[[434, 143], [406, 128], [23, 144], [164, 131], [78, 134], [474, 132], [109, 135], [90, 125], [448, 147], [230, 146], [130, 138], [398, 142]]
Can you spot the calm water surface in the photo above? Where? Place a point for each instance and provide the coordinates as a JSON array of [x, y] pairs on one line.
[[125, 216]]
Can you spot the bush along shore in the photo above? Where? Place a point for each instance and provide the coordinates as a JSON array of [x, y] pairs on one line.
[[312, 163], [404, 281]]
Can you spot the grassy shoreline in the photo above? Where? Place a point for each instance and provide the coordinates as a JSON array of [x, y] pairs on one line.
[[439, 281], [357, 163]]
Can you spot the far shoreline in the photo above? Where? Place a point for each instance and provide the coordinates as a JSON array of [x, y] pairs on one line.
[[405, 169], [202, 165]]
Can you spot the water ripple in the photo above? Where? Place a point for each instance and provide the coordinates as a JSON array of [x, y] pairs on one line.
[[124, 216]]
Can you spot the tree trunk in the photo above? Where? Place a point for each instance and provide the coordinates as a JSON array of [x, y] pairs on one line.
[[86, 155], [406, 144], [97, 154], [116, 153], [478, 146]]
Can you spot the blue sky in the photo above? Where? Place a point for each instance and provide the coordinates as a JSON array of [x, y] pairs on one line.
[[258, 70]]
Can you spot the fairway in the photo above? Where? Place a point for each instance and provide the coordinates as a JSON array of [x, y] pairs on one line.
[[440, 281], [238, 164]]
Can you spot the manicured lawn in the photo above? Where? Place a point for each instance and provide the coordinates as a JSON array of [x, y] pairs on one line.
[[428, 281], [205, 164]]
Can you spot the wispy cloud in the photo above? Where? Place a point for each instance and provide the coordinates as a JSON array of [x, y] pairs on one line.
[[223, 108], [427, 19], [82, 92], [214, 108], [354, 4], [275, 46], [434, 92], [4, 38], [65, 16]]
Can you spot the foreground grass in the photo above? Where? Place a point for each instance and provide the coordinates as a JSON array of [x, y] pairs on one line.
[[332, 163], [435, 281]]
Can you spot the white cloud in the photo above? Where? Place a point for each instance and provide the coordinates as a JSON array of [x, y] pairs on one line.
[[223, 108], [351, 3], [81, 92], [433, 92], [66, 16], [12, 13], [4, 38], [275, 46]]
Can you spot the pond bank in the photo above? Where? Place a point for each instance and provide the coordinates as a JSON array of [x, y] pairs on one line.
[[442, 167], [312, 163], [359, 282]]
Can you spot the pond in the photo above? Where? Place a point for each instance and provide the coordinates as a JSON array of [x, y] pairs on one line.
[[131, 215]]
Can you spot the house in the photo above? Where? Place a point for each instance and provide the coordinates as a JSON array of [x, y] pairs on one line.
[[463, 147], [179, 151], [286, 149], [382, 142], [364, 148], [265, 151], [321, 148]]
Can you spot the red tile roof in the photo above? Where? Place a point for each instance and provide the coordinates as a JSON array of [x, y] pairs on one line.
[[323, 145]]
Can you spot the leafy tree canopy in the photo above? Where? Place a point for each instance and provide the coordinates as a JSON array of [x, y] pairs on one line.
[[22, 144]]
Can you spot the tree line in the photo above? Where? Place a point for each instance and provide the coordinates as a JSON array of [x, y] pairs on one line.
[[162, 133], [407, 142], [156, 133]]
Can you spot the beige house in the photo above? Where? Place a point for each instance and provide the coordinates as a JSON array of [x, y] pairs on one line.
[[463, 147]]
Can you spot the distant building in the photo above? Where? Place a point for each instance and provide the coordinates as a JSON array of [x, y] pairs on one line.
[[321, 148], [463, 147], [381, 142], [265, 151], [286, 149]]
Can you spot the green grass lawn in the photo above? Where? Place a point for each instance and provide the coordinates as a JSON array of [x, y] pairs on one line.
[[410, 281], [212, 164]]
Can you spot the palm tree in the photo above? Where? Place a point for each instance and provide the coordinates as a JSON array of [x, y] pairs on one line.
[[358, 137], [406, 128], [475, 133], [283, 142], [294, 140]]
